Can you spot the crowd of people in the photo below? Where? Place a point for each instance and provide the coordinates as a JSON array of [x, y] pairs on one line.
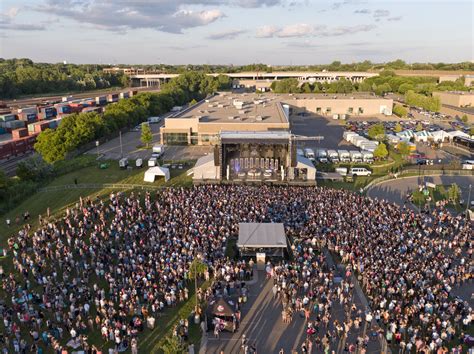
[[108, 265]]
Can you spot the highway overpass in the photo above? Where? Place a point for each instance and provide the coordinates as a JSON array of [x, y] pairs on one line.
[[249, 77]]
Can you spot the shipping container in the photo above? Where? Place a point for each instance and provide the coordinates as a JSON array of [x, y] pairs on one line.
[[19, 133], [6, 150], [2, 130], [7, 117], [113, 97], [101, 100], [124, 95], [63, 108], [27, 110], [28, 117]]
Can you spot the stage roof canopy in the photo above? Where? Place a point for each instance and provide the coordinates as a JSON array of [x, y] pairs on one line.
[[261, 235], [266, 137]]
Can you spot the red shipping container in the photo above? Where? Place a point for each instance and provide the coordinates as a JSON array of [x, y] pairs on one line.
[[19, 133], [6, 150]]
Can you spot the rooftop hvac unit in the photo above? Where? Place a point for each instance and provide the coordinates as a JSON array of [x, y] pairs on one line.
[[220, 105], [207, 101], [231, 117], [210, 105], [242, 111], [259, 118]]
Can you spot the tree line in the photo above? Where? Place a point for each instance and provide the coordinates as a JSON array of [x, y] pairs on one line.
[[336, 65], [24, 77], [79, 129]]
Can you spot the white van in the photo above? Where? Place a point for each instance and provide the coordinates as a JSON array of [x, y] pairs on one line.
[[359, 171], [468, 165], [309, 153]]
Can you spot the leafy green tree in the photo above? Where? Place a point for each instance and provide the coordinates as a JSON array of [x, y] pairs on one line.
[[403, 149], [381, 151], [464, 118], [471, 131], [376, 131], [400, 111], [454, 193], [146, 136], [398, 128], [172, 345], [419, 127]]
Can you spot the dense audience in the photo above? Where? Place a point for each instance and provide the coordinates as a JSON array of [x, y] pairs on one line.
[[108, 266]]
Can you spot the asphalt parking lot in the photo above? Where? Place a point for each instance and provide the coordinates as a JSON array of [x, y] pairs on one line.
[[131, 148], [314, 125]]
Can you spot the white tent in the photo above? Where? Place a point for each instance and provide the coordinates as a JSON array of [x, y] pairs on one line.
[[261, 235], [439, 135], [152, 172], [205, 169], [303, 162]]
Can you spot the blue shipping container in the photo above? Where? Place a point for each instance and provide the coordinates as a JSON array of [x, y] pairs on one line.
[[50, 112], [31, 117], [2, 130]]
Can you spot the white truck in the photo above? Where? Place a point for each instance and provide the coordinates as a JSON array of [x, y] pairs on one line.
[[344, 156], [152, 162], [322, 155], [123, 163], [367, 157], [333, 156], [309, 153], [158, 150], [356, 156]]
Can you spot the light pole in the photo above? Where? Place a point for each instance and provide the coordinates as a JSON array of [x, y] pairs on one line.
[[468, 200], [196, 314], [97, 145], [121, 148]]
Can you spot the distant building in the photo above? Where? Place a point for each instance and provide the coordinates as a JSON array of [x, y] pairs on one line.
[[456, 98], [126, 71], [202, 123]]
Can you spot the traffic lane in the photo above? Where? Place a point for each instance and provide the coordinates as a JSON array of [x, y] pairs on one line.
[[396, 190]]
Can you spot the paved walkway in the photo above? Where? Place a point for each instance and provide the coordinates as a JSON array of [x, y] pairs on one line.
[[262, 324], [395, 190]]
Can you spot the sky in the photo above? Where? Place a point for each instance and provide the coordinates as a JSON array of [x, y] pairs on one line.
[[274, 32]]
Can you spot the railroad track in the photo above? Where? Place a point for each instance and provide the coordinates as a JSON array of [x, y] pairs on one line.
[[9, 166]]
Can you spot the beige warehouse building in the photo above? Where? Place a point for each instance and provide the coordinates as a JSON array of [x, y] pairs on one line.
[[456, 98], [202, 123]]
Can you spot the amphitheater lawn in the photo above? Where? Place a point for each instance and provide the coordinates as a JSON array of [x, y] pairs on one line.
[[58, 199]]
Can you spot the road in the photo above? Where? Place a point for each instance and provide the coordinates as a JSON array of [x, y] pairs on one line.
[[22, 102], [396, 190], [131, 147]]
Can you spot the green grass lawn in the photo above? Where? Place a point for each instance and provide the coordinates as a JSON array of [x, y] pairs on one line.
[[58, 200], [150, 341], [435, 194]]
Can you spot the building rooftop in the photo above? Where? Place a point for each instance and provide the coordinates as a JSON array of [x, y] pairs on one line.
[[237, 108], [229, 107]]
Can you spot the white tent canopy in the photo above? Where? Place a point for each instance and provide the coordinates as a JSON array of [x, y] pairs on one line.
[[303, 162], [151, 173], [261, 235], [205, 169]]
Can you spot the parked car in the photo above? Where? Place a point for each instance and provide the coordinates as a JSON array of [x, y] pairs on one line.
[[359, 171]]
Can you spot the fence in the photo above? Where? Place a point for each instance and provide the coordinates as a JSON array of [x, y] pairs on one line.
[[415, 172], [99, 186]]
